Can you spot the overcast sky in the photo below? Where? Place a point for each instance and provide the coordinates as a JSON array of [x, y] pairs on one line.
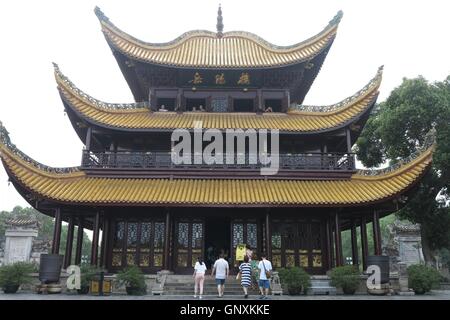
[[409, 38]]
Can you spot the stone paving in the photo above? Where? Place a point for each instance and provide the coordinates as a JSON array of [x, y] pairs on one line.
[[434, 295]]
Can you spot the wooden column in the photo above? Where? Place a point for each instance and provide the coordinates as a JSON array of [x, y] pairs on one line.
[[338, 242], [349, 140], [268, 237], [89, 139], [69, 243], [376, 233], [354, 244], [80, 233], [56, 232], [330, 224], [259, 99], [105, 242], [328, 244], [364, 243], [96, 231], [179, 107], [167, 242]]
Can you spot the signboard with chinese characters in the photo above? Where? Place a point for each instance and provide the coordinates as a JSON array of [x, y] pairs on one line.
[[220, 78]]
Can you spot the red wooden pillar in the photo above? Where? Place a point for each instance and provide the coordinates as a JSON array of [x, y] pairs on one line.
[[354, 243], [69, 243], [338, 242], [167, 241], [80, 233], [376, 233], [56, 232], [96, 231], [364, 243]]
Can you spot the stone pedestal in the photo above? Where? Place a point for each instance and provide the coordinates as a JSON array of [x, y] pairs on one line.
[[403, 280], [19, 235], [275, 284]]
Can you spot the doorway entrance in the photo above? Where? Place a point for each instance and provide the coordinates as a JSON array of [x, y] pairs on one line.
[[217, 239]]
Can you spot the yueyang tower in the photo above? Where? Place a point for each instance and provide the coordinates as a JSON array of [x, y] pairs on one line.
[[158, 215]]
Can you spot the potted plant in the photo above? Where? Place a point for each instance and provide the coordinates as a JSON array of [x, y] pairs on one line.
[[88, 273], [346, 277], [422, 278], [134, 281], [295, 280], [14, 275]]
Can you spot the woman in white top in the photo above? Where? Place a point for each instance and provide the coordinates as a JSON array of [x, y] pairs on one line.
[[199, 276]]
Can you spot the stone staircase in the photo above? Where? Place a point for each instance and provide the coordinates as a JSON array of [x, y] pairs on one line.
[[320, 285], [184, 285]]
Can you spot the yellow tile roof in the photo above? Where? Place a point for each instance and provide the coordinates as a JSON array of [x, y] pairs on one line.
[[204, 49], [134, 116], [76, 187]]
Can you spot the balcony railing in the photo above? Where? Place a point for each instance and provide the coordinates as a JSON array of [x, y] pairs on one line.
[[163, 160]]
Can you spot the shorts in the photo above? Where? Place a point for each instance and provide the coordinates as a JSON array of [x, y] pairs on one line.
[[220, 282], [264, 284]]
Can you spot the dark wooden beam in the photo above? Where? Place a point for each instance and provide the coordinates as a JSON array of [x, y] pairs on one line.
[[69, 243], [268, 236], [376, 233], [80, 233], [105, 242], [364, 243], [89, 138], [338, 242], [167, 241], [328, 244], [354, 243], [94, 248], [349, 140], [57, 232]]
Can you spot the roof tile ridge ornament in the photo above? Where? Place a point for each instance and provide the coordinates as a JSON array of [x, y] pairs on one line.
[[5, 141], [60, 77], [337, 18], [373, 83], [100, 15], [428, 144], [219, 25]]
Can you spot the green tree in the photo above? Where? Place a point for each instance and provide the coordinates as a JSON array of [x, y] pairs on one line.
[[398, 128]]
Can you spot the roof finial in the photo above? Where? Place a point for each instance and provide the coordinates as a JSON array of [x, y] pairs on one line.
[[219, 22]]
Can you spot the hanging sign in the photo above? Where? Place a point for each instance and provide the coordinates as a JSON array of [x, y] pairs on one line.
[[240, 252]]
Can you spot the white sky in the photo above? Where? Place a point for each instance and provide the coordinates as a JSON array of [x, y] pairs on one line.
[[409, 37]]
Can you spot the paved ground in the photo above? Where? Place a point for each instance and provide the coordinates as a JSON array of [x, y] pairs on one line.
[[434, 295]]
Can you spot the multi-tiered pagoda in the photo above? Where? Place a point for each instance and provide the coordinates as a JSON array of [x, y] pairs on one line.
[[159, 215]]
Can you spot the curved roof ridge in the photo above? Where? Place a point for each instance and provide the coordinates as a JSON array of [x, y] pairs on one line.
[[7, 148], [212, 49], [371, 86], [64, 81], [421, 154], [200, 32]]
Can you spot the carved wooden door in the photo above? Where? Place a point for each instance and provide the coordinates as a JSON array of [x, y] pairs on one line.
[[188, 244]]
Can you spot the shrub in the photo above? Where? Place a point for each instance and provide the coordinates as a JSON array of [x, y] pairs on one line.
[[14, 275], [133, 279], [346, 277], [422, 278], [295, 280]]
